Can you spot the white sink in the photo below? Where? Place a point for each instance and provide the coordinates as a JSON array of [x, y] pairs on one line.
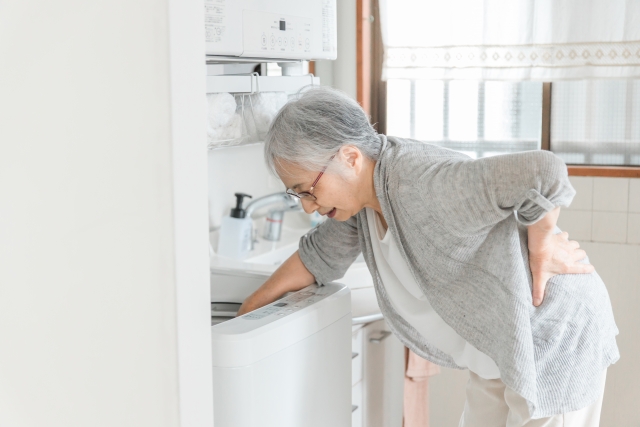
[[275, 257], [278, 256], [266, 255], [233, 280]]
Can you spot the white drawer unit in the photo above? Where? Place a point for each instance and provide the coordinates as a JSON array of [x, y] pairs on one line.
[[383, 376], [356, 405], [356, 356], [377, 376]]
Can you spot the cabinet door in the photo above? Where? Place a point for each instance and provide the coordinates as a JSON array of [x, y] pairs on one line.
[[356, 405], [356, 356], [383, 380]]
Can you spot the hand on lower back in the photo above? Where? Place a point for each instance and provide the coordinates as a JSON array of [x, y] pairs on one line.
[[552, 254]]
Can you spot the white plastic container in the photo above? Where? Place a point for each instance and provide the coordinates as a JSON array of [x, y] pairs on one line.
[[235, 232]]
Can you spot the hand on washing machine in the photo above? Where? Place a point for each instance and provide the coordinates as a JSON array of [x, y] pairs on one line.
[[290, 277]]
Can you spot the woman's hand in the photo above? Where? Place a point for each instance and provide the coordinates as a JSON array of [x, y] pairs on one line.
[[245, 308], [552, 254], [291, 276]]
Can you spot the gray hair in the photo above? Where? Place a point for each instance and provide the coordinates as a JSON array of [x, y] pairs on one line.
[[312, 128]]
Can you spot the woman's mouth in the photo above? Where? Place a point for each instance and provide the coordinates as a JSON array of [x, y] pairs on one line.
[[331, 213]]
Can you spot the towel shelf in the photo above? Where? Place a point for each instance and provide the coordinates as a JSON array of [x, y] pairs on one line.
[[254, 83], [251, 120]]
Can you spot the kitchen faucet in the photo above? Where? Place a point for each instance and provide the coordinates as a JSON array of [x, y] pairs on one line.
[[279, 203]]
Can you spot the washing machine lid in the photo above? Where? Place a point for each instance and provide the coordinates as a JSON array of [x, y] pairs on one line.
[[274, 327]]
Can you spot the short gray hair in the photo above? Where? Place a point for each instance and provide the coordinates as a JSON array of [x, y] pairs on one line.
[[312, 127]]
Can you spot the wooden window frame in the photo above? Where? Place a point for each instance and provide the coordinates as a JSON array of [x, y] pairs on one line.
[[364, 62], [364, 57]]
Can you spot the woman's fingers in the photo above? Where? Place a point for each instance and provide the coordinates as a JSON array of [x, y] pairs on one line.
[[573, 244], [553, 256], [539, 284], [540, 279], [579, 268], [578, 254]]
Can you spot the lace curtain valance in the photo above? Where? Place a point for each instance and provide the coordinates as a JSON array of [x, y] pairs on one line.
[[511, 40]]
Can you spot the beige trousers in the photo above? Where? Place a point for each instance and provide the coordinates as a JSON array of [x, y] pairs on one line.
[[490, 403]]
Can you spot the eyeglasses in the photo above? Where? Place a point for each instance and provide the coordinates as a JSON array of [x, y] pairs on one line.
[[308, 195]]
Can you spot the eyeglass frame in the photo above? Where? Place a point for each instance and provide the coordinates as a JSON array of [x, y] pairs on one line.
[[309, 194]]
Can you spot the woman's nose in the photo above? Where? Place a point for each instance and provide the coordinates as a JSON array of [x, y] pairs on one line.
[[309, 206]]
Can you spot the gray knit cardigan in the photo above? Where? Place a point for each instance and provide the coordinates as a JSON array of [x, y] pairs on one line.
[[460, 225]]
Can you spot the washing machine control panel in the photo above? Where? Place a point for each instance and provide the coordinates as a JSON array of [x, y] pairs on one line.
[[291, 303]]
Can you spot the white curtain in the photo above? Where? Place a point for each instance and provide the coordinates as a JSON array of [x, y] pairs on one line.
[[544, 40]]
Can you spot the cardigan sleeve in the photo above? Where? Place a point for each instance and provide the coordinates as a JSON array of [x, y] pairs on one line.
[[329, 249], [471, 195]]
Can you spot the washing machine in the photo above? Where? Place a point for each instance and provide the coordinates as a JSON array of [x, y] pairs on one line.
[[287, 364]]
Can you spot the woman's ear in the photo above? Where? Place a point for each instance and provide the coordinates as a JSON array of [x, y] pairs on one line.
[[351, 156]]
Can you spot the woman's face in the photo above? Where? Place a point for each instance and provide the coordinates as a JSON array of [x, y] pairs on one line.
[[338, 192]]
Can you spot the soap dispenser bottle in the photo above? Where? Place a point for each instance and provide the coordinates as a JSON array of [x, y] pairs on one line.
[[236, 232]]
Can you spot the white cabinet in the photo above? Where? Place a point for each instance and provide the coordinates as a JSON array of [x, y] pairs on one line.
[[377, 376], [356, 405], [356, 375], [356, 355]]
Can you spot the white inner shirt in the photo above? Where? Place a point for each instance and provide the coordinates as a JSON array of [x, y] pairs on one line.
[[410, 303]]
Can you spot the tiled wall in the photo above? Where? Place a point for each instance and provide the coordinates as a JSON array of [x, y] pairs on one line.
[[604, 210], [605, 218]]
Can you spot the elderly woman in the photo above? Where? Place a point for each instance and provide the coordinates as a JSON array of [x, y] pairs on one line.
[[460, 251]]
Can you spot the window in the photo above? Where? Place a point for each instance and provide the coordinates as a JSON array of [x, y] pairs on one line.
[[478, 118], [595, 122]]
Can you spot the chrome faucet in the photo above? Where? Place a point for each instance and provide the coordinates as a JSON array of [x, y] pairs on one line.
[[279, 203]]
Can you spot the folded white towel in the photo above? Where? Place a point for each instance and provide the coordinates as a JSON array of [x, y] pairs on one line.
[[226, 122], [265, 107], [233, 130], [222, 107]]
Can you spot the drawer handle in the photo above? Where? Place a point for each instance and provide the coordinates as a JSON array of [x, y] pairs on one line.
[[354, 355], [378, 340], [353, 408]]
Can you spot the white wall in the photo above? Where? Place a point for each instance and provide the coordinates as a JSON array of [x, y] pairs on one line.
[[344, 68], [619, 266], [92, 249], [605, 210], [605, 218], [190, 211], [237, 170], [341, 73]]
